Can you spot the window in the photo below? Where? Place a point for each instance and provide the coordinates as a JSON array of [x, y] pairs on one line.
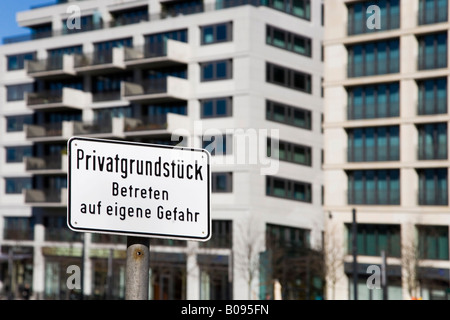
[[433, 242], [130, 16], [156, 44], [103, 50], [217, 107], [18, 228], [16, 123], [289, 115], [218, 145], [183, 7], [216, 70], [87, 23], [16, 154], [56, 230], [371, 239], [17, 92], [15, 185], [373, 144], [55, 56], [432, 96], [299, 8], [288, 41], [373, 101], [432, 51], [373, 58], [222, 182], [17, 61], [222, 235], [432, 11], [289, 78], [288, 189], [216, 33], [284, 237], [358, 15], [374, 187], [288, 151], [432, 141], [433, 187]]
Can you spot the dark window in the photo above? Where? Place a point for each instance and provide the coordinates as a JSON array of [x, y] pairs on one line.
[[371, 239], [16, 154], [222, 182], [288, 40], [433, 187], [16, 123], [358, 16], [432, 96], [156, 44], [288, 78], [18, 228], [373, 58], [373, 144], [432, 141], [373, 101], [288, 151], [15, 185], [433, 242], [129, 16], [17, 92], [222, 235], [289, 115], [288, 189], [17, 61], [432, 11], [218, 145], [374, 187], [217, 107], [432, 51], [216, 33], [284, 237], [216, 70]]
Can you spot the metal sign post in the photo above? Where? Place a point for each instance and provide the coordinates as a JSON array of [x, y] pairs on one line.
[[137, 266]]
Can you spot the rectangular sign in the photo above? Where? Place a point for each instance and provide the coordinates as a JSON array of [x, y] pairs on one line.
[[138, 189]]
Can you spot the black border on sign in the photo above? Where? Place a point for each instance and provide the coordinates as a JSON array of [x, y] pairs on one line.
[[144, 234]]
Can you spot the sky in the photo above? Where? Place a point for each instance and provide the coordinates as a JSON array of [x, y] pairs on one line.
[[8, 10]]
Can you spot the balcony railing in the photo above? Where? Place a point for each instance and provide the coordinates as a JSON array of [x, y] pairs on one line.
[[45, 130], [44, 97], [53, 162], [50, 196], [61, 234], [94, 58], [146, 123], [18, 234], [92, 128]]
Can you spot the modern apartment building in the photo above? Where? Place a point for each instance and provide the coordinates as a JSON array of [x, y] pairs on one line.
[[386, 145], [243, 77]]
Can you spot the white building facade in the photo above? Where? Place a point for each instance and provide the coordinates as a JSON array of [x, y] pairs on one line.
[[386, 145], [169, 72]]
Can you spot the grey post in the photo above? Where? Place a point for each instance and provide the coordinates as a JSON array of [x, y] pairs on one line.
[[355, 255], [137, 266]]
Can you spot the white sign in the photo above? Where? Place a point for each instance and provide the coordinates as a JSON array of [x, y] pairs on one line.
[[138, 189]]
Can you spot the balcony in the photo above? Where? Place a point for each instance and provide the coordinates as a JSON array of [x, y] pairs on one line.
[[55, 164], [46, 197], [157, 126], [156, 90], [99, 62], [66, 98], [50, 131], [51, 67], [158, 54]]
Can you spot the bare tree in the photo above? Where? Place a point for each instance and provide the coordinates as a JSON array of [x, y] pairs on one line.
[[333, 258], [249, 244]]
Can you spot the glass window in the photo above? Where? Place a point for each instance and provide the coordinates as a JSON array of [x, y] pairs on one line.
[[216, 70], [17, 62], [217, 107], [216, 33], [363, 187]]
